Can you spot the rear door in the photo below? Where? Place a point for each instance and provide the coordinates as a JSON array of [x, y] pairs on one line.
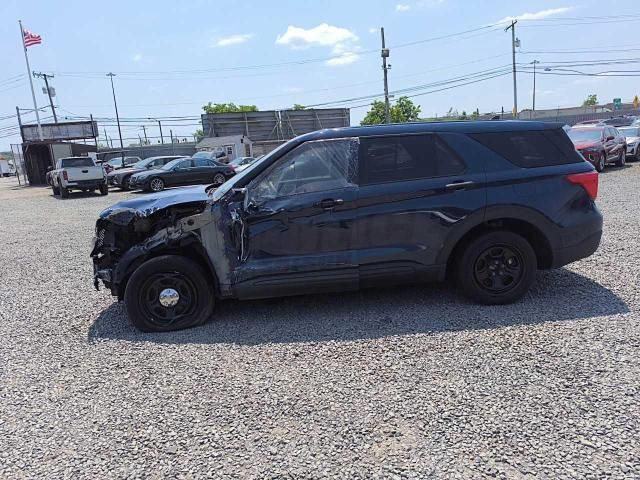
[[414, 191]]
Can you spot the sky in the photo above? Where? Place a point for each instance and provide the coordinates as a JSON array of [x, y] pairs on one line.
[[170, 58]]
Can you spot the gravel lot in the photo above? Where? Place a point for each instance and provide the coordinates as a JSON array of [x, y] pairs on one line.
[[403, 383]]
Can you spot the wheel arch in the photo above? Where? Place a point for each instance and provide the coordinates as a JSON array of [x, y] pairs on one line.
[[533, 226]]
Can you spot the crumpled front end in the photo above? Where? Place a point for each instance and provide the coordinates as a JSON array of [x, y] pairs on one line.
[[129, 232]]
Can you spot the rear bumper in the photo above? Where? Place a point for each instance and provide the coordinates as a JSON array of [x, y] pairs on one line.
[[579, 242], [84, 183]]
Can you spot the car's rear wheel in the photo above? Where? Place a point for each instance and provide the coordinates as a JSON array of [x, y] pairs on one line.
[[219, 179], [56, 190], [124, 185], [621, 159], [168, 293], [156, 185], [104, 189], [496, 268], [602, 160], [64, 192]]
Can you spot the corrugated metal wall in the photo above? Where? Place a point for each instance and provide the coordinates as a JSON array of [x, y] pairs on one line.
[[274, 125]]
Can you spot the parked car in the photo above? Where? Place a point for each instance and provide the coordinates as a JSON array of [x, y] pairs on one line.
[[182, 171], [632, 137], [596, 121], [599, 145], [119, 162], [218, 155], [484, 203], [77, 173], [120, 178], [620, 121], [240, 163]]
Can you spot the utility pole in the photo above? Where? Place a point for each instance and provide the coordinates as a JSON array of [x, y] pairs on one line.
[[535, 62], [385, 54], [46, 82], [160, 127], [514, 41], [106, 137], [171, 133], [115, 104], [146, 140]]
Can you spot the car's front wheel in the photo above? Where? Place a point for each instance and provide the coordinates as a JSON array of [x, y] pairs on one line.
[[496, 268], [622, 156], [156, 185], [168, 293], [602, 160], [104, 189]]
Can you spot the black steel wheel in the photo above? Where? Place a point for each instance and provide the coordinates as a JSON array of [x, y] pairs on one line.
[[497, 267], [168, 293]]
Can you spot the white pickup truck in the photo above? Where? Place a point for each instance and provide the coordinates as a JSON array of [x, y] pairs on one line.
[[77, 173]]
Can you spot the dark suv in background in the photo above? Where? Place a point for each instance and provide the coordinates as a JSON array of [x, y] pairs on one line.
[[484, 203]]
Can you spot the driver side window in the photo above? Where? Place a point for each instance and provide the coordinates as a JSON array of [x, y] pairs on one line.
[[317, 166]]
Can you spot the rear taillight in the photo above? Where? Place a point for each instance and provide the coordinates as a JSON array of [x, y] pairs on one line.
[[65, 175], [587, 180]]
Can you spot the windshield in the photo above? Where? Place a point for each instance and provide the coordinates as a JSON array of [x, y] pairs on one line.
[[172, 164], [233, 181], [580, 135], [630, 131], [76, 162], [115, 161]]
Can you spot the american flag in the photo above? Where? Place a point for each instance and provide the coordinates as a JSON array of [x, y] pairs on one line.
[[31, 38]]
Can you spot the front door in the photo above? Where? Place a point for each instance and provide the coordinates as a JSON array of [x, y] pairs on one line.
[[180, 174], [298, 223], [414, 192]]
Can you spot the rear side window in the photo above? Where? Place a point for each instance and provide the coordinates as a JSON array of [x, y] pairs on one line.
[[410, 157], [76, 162], [531, 149]]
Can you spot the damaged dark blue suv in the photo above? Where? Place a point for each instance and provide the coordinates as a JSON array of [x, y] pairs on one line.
[[485, 203]]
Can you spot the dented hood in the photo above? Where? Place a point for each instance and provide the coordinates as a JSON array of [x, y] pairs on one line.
[[122, 212]]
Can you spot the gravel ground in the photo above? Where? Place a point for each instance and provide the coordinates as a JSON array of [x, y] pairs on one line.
[[404, 383]]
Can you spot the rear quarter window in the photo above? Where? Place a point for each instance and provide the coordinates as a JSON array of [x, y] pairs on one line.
[[76, 162], [530, 149]]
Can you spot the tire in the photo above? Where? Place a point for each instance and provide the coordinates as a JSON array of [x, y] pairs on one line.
[[480, 279], [602, 161], [64, 192], [219, 179], [156, 184], [125, 184], [104, 189], [622, 157], [56, 191], [169, 272]]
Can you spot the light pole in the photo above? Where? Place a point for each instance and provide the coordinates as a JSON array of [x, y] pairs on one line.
[[535, 62], [514, 43], [115, 104], [385, 54]]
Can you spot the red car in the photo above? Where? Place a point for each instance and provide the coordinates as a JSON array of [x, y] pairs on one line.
[[599, 144]]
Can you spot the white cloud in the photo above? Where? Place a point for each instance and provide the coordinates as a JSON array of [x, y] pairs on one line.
[[137, 57], [373, 30], [233, 39], [343, 42], [324, 34], [403, 7], [537, 15]]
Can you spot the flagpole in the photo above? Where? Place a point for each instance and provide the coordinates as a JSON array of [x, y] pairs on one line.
[[33, 93]]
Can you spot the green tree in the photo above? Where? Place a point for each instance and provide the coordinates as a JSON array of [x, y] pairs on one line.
[[297, 106], [199, 134], [590, 101], [403, 111], [228, 108]]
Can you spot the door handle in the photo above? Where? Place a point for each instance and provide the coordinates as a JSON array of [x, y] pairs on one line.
[[328, 203], [460, 185], [85, 171]]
